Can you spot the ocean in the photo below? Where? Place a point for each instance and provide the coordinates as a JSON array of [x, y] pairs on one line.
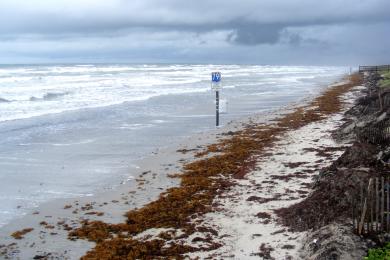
[[74, 130]]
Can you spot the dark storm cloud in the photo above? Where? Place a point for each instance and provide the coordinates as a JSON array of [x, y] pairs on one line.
[[105, 28], [253, 34], [247, 17]]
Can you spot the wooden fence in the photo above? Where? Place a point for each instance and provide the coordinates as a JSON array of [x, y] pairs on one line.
[[371, 208], [374, 68], [377, 133]]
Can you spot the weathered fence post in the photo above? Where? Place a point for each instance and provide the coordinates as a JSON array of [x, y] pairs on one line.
[[371, 196], [376, 205], [382, 202], [364, 208], [387, 205]]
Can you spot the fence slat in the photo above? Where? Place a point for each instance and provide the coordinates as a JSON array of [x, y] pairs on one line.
[[353, 213], [362, 190], [382, 202], [364, 208], [387, 205], [371, 196], [376, 204], [367, 217]]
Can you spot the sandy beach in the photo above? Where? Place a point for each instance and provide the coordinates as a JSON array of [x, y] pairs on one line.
[[151, 130], [110, 206], [238, 223], [70, 145]]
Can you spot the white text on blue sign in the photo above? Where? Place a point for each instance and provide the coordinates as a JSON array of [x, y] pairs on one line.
[[216, 76]]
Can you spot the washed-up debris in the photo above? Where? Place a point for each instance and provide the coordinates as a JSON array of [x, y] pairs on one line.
[[326, 210]]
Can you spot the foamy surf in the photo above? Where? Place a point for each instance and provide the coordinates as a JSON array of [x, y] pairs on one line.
[[39, 90]]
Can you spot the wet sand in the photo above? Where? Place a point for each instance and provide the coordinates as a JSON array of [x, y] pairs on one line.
[[153, 178], [50, 221]]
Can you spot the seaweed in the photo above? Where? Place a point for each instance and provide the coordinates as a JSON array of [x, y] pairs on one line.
[[201, 181], [263, 215], [20, 234]]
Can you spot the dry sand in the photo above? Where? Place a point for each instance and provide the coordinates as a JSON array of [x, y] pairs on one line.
[[244, 221], [245, 232]]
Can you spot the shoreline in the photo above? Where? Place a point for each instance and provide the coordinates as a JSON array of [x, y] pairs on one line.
[[158, 165], [69, 160], [112, 211]]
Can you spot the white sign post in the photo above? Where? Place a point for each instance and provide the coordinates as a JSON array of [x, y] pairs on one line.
[[216, 86]]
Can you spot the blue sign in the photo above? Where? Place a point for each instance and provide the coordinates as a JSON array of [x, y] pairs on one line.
[[216, 76]]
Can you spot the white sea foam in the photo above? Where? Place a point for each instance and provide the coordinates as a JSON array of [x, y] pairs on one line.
[[38, 90], [134, 126], [87, 141]]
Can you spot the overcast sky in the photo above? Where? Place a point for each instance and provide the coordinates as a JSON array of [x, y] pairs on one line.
[[326, 32]]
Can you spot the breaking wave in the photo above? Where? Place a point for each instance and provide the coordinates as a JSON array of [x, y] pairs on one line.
[[49, 96], [3, 100], [28, 91]]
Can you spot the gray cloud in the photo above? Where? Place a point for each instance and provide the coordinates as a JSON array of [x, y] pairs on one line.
[[201, 31], [253, 34], [87, 16]]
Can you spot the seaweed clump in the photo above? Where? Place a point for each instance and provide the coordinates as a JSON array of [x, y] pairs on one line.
[[20, 234], [201, 181]]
